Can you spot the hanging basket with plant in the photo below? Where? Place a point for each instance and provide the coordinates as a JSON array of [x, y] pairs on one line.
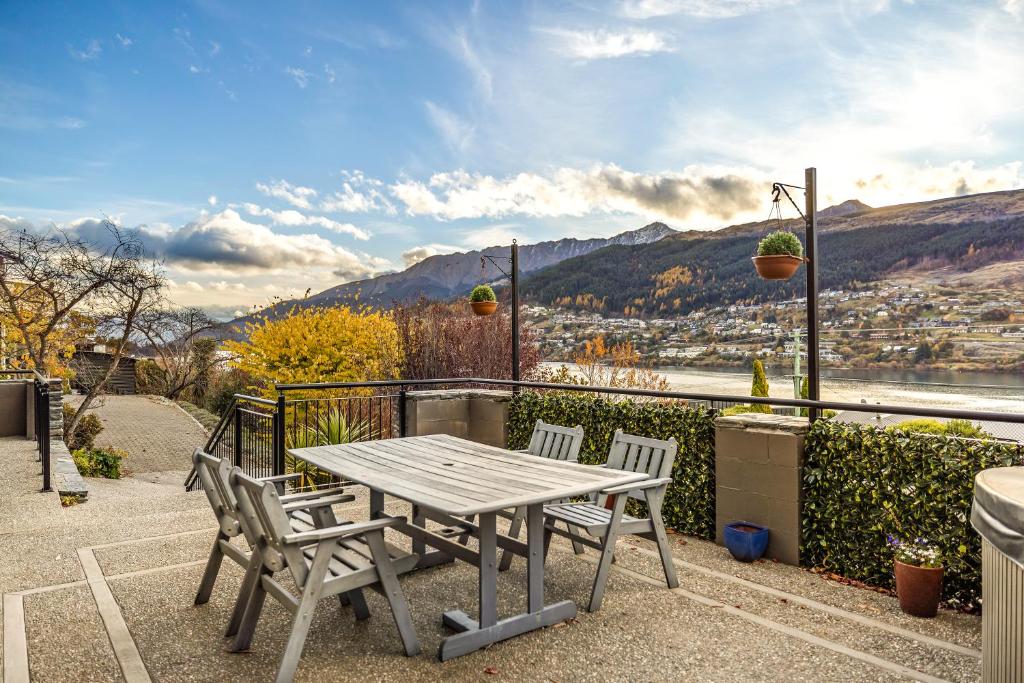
[[779, 254], [482, 300]]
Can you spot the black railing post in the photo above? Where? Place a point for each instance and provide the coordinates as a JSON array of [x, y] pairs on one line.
[[401, 411], [236, 446], [279, 435], [43, 432]]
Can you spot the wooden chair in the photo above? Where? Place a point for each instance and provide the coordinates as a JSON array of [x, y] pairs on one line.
[[548, 441], [213, 473], [324, 562], [604, 517]]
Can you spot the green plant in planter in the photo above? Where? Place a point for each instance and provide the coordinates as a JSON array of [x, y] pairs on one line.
[[482, 293], [780, 243]]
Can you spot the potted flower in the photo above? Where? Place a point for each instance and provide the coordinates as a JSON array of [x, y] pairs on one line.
[[482, 300], [918, 569], [779, 254], [745, 540]]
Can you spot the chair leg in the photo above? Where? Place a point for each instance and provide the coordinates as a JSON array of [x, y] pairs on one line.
[[253, 572], [547, 537], [577, 547], [303, 617], [211, 571], [243, 639], [393, 592], [607, 554], [667, 563], [513, 530], [358, 602]]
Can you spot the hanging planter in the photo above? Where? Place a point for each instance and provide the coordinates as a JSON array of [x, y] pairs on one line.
[[779, 254], [482, 300]]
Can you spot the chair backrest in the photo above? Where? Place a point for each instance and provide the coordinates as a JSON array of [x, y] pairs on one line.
[[265, 524], [556, 442], [631, 453], [213, 473]]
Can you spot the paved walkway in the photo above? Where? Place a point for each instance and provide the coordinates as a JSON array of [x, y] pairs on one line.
[[158, 435], [103, 592]]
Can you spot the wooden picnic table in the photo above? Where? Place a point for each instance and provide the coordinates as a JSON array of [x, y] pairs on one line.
[[447, 479]]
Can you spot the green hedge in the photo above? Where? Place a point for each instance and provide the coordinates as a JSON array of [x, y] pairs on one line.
[[862, 483], [689, 505]]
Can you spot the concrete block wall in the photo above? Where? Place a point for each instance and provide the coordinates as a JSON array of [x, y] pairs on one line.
[[479, 415], [758, 467], [13, 406]]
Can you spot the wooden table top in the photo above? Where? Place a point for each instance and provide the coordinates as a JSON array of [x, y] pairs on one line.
[[460, 477]]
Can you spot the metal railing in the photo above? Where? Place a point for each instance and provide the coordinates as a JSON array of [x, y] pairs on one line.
[[251, 433], [256, 432]]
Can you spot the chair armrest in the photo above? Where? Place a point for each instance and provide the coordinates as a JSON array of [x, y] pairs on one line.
[[325, 501], [637, 486], [282, 477], [310, 495], [312, 536]]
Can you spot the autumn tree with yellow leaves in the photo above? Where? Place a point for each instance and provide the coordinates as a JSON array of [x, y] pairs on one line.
[[318, 345]]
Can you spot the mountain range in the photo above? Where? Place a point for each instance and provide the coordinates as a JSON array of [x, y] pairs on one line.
[[656, 270]]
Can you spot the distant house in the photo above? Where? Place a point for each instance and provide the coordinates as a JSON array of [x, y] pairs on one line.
[[91, 362]]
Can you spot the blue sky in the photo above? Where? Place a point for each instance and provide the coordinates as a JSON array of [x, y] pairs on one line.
[[263, 148]]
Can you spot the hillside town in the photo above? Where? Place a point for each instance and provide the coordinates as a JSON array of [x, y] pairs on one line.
[[884, 325]]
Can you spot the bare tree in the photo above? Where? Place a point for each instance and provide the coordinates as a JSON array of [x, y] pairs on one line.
[[185, 351], [56, 287]]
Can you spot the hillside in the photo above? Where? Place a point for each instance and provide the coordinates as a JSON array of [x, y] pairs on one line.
[[448, 275], [690, 271]]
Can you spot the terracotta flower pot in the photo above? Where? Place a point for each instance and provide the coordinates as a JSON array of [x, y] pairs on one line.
[[919, 589], [780, 267], [484, 307]]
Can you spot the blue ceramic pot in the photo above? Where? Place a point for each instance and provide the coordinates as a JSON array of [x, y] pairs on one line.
[[746, 541]]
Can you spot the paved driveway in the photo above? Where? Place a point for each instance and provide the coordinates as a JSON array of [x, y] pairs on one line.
[[158, 435]]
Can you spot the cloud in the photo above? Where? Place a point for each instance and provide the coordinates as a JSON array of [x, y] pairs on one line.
[[299, 75], [212, 200], [329, 73], [296, 195], [603, 44], [1014, 7], [291, 217], [194, 69], [704, 9], [90, 52], [457, 133], [225, 286], [358, 194], [214, 48], [226, 240], [693, 192], [954, 179], [413, 256], [125, 41]]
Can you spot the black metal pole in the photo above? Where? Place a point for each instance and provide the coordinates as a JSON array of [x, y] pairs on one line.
[[515, 311], [811, 247]]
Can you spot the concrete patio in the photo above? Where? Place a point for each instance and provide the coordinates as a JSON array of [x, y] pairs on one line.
[[103, 591]]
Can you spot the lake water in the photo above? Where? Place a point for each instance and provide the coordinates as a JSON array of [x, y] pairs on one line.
[[1000, 392]]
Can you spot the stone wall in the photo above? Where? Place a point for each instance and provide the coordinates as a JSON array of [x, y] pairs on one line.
[[479, 415], [758, 463]]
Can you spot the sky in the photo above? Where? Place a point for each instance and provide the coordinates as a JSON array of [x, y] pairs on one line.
[[262, 149]]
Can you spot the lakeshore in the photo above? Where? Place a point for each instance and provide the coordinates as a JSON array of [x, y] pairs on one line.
[[995, 391]]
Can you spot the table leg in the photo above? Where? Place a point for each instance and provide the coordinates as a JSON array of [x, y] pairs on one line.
[[475, 634], [488, 570], [535, 558], [376, 504]]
